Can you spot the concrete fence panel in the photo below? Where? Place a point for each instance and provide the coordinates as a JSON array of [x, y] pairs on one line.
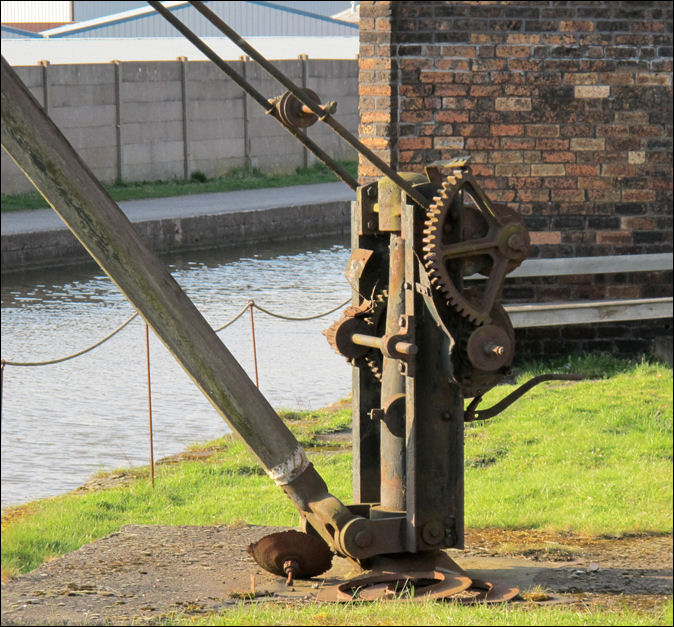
[[144, 120]]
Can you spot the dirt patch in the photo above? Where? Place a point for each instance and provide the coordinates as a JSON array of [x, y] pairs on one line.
[[144, 573]]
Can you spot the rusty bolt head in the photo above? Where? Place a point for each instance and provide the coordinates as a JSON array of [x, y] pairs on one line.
[[363, 539], [433, 532], [516, 242]]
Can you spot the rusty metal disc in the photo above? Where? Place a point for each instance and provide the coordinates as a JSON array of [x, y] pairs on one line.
[[308, 556], [411, 585], [489, 348], [488, 592], [294, 113]]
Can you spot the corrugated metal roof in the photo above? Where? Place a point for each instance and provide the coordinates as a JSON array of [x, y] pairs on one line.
[[10, 32], [83, 11], [251, 18], [88, 10]]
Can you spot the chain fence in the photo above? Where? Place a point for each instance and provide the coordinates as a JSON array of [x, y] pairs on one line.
[[249, 306]]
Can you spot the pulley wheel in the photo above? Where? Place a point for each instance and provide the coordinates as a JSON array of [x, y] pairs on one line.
[[292, 554], [293, 112]]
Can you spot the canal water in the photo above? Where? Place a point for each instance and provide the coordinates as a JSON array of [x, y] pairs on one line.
[[62, 423]]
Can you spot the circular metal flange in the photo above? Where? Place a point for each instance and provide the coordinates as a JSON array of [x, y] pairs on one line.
[[487, 592], [489, 348], [412, 585]]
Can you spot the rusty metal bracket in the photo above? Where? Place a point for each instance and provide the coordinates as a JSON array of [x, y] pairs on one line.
[[473, 414]]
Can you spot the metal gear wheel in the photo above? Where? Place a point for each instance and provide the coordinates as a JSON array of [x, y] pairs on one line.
[[493, 241], [369, 318]]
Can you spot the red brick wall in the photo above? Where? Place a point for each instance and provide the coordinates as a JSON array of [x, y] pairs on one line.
[[565, 107]]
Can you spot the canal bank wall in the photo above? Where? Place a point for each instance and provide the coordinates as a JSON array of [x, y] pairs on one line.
[[58, 246]]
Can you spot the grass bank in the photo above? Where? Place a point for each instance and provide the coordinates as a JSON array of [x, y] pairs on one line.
[[236, 179], [592, 457]]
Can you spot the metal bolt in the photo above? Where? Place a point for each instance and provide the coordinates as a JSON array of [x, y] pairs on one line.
[[445, 415], [494, 349], [433, 531], [371, 224], [371, 191], [377, 413], [515, 241], [363, 539]]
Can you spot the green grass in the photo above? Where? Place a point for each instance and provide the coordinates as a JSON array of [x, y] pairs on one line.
[[429, 613], [236, 179], [592, 457]]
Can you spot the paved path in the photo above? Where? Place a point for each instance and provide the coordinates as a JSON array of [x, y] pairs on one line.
[[188, 206]]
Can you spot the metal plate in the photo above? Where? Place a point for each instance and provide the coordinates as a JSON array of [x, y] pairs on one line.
[[411, 585]]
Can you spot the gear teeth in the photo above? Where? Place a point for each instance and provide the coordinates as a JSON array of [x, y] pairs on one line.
[[433, 231], [373, 359], [330, 335]]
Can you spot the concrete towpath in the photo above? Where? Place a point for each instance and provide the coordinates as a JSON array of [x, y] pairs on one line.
[[191, 205], [39, 238]]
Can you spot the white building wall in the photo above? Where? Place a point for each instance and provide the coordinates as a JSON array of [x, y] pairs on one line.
[[65, 51], [57, 11]]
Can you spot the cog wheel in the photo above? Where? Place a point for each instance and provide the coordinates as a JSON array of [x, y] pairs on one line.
[[376, 319], [368, 318], [493, 241]]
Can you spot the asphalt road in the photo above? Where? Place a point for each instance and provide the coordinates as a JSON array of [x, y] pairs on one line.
[[188, 206]]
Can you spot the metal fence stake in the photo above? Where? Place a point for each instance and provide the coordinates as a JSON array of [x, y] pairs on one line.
[[252, 333], [149, 400]]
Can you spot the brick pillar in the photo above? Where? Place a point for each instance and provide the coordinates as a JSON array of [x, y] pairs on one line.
[[377, 85], [566, 109]]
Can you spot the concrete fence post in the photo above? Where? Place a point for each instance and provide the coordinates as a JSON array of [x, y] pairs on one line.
[[246, 137], [185, 114], [118, 120], [45, 85]]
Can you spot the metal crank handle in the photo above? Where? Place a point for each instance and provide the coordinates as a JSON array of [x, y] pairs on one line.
[[391, 345], [472, 414]]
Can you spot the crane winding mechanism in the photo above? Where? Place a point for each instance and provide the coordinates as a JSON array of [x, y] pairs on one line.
[[420, 340]]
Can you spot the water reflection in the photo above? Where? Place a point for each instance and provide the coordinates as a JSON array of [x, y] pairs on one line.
[[63, 422]]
